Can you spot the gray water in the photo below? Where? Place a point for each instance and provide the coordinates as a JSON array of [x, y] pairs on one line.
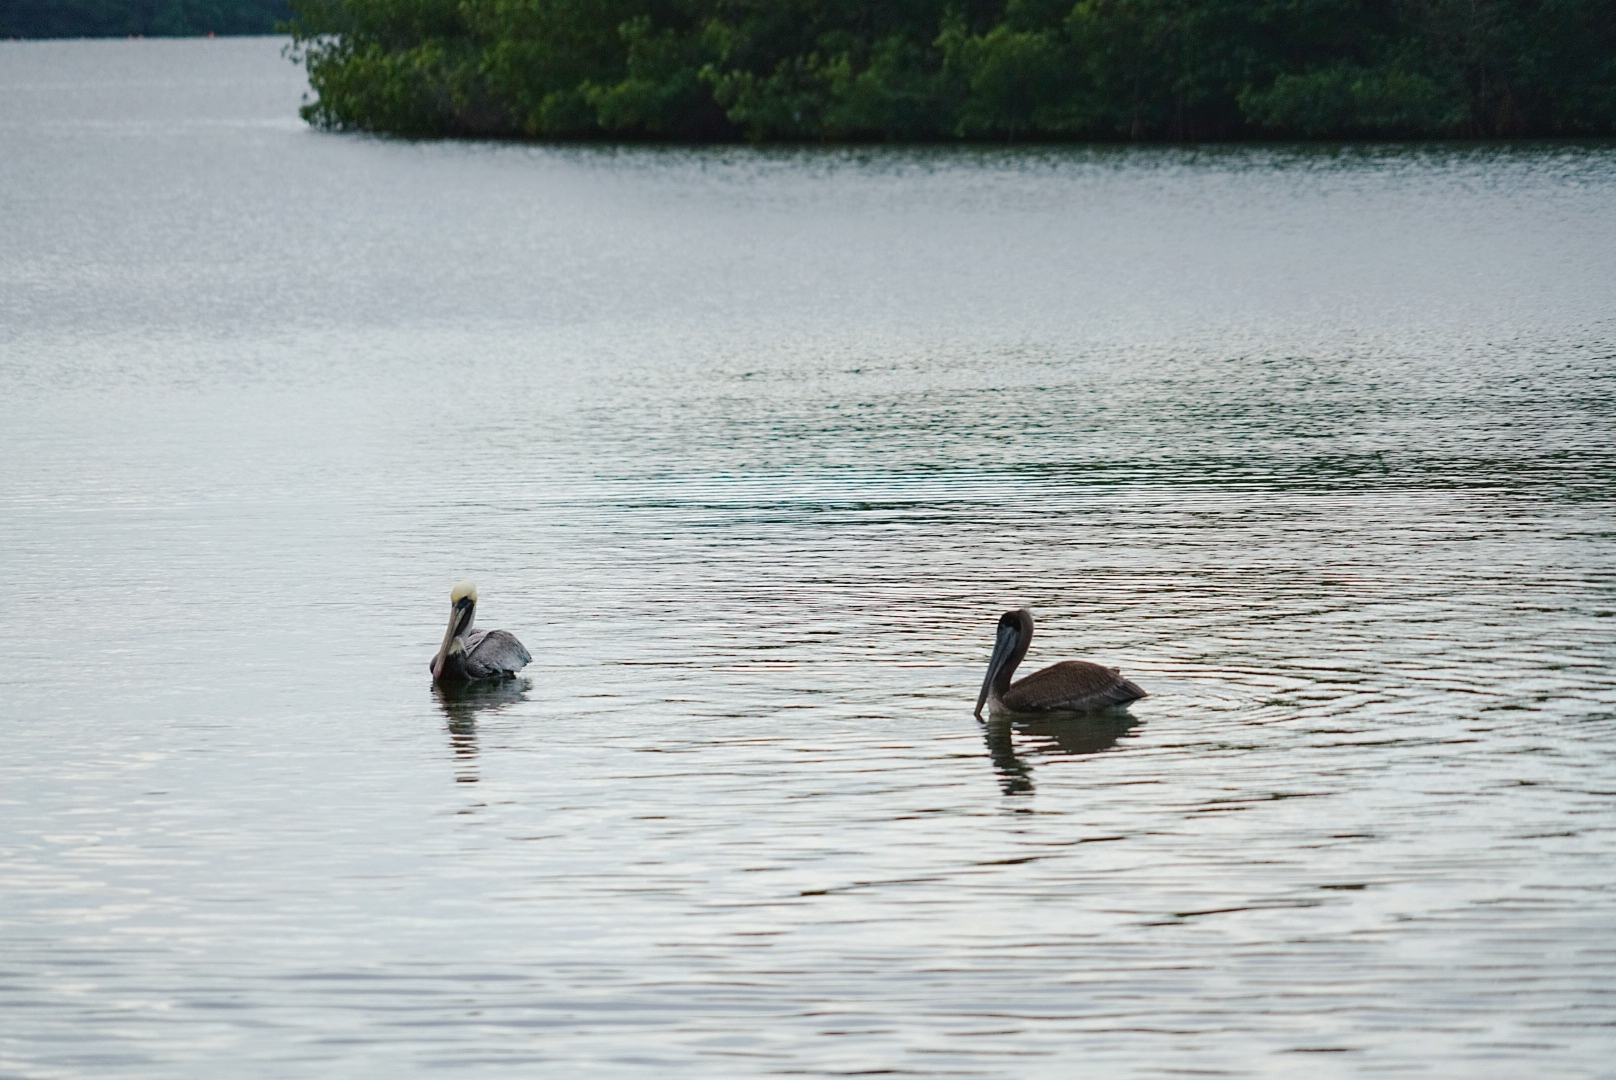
[[751, 448]]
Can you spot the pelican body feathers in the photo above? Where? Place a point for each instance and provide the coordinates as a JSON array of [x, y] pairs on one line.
[[1069, 686]]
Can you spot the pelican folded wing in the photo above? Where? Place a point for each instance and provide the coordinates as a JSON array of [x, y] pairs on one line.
[[493, 653], [1071, 684]]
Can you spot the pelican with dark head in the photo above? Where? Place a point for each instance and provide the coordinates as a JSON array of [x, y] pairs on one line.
[[469, 655], [1069, 686]]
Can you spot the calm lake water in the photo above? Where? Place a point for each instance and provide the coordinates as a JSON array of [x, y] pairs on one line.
[[751, 448]]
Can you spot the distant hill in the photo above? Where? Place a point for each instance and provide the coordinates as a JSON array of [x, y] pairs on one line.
[[145, 18]]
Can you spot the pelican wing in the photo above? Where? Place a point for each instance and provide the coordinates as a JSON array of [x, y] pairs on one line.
[[491, 653], [1072, 685]]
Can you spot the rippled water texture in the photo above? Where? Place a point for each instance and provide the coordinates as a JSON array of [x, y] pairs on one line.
[[752, 447]]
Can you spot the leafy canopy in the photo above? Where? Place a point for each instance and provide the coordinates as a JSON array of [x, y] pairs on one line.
[[960, 69]]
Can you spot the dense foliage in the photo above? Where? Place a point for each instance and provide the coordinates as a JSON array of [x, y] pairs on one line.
[[938, 69], [146, 18]]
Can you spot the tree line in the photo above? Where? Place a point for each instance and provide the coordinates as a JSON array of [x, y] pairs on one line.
[[921, 69], [140, 18]]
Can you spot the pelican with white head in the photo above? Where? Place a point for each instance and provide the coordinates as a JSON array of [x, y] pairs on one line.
[[469, 655]]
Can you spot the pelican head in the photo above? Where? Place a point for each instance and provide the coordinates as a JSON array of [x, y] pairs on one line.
[[1015, 634], [462, 609]]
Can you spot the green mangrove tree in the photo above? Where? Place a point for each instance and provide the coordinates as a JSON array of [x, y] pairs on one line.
[[960, 69]]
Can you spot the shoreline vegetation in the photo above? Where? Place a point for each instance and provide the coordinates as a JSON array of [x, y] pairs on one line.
[[917, 70], [940, 70]]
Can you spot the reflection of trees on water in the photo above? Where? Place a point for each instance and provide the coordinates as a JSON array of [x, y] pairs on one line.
[[461, 706], [1014, 744]]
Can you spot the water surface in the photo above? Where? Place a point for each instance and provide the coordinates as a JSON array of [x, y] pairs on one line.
[[751, 448]]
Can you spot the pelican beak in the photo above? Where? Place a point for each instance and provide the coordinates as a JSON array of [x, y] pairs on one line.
[[1002, 648], [459, 623]]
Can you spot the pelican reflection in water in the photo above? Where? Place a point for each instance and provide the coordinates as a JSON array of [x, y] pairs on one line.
[[1054, 735], [469, 655], [1070, 686], [461, 703]]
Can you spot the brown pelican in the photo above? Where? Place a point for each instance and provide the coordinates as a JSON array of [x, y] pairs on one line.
[[1069, 686], [469, 654]]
